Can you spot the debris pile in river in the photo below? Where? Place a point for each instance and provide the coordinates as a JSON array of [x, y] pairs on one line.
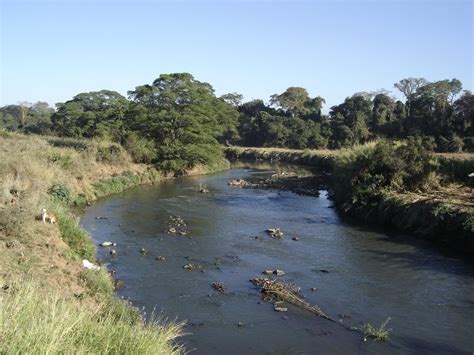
[[241, 183], [275, 233], [192, 267], [177, 225], [274, 272], [280, 291], [203, 189], [219, 286]]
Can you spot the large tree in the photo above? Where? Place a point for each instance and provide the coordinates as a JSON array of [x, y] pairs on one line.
[[184, 118], [296, 102], [91, 114], [408, 88]]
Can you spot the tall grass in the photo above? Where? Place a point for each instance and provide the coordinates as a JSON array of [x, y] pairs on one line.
[[41, 315], [41, 322]]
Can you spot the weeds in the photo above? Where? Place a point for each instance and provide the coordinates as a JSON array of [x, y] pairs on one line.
[[41, 322], [380, 334]]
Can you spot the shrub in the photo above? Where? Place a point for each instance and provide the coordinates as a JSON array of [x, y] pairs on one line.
[[60, 193], [363, 172], [142, 150], [64, 161], [111, 154]]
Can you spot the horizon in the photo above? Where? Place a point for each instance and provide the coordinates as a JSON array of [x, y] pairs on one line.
[[54, 50]]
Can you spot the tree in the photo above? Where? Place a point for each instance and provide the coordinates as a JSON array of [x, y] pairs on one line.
[[184, 118], [24, 107], [296, 102], [91, 114], [382, 112], [408, 87], [234, 99], [352, 115]]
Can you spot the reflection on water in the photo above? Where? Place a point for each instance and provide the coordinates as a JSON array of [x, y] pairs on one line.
[[429, 297]]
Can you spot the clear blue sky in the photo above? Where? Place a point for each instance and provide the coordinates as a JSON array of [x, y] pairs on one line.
[[52, 50]]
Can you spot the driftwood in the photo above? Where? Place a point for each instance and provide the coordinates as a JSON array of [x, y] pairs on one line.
[[289, 293]]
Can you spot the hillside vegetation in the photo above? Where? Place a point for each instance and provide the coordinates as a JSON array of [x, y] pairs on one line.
[[49, 303]]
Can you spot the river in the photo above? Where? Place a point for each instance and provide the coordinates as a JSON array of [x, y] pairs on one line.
[[371, 274]]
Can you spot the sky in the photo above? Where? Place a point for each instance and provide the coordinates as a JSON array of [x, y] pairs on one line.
[[53, 50]]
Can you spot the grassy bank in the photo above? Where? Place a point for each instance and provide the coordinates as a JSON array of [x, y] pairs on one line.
[[402, 185], [440, 208], [49, 303]]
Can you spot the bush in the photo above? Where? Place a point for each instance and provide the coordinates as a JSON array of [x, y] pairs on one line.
[[362, 173], [60, 193], [64, 161], [142, 150], [111, 154]]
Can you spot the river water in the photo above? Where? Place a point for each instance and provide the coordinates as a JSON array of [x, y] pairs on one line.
[[372, 274]]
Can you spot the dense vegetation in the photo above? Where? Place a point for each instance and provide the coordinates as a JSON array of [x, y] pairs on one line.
[[177, 121]]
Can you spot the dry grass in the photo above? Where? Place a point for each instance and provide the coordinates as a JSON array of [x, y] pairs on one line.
[[42, 315]]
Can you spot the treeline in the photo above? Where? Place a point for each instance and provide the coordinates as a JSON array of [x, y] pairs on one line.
[[178, 121]]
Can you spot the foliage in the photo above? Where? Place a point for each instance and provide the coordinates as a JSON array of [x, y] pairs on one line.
[[381, 333], [92, 114], [365, 171], [141, 149], [60, 193]]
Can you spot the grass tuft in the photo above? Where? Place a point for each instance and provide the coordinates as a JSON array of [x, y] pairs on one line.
[[380, 334]]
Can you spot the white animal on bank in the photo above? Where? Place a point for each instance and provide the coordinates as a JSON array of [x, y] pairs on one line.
[[48, 216], [86, 264]]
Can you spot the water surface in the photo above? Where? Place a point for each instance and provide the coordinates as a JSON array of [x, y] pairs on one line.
[[429, 296]]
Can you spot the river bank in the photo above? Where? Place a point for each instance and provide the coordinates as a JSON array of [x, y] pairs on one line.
[[40, 268], [443, 215]]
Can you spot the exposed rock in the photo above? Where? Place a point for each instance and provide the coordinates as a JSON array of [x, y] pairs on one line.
[[314, 289], [275, 232], [324, 271], [191, 267], [160, 258], [113, 252], [219, 286], [241, 183], [278, 308], [295, 238], [267, 272], [143, 251], [279, 272], [108, 244]]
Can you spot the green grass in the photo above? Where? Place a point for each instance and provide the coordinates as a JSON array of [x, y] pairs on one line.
[[73, 235], [40, 322], [98, 282], [381, 333], [116, 184]]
